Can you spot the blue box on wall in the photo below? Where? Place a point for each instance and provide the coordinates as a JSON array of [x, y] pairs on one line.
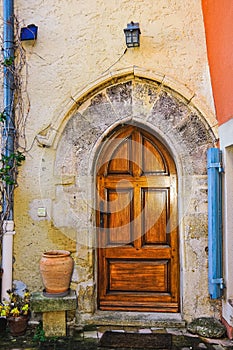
[[29, 32]]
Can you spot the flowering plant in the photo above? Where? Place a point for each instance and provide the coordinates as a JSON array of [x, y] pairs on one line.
[[4, 310], [17, 305]]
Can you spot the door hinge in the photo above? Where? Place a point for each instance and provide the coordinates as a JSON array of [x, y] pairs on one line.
[[219, 281], [216, 165]]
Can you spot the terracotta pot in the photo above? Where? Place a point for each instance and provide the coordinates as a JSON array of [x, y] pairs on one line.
[[18, 325], [56, 267]]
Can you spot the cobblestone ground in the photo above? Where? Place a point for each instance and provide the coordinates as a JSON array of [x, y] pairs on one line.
[[89, 339]]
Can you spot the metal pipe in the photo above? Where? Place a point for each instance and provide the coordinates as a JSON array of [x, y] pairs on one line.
[[215, 274], [7, 254], [8, 136], [8, 92]]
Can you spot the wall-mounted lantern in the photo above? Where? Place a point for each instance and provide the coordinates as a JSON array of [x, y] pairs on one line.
[[29, 32], [132, 34]]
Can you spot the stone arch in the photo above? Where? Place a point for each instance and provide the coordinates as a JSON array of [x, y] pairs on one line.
[[51, 134], [149, 103], [180, 125]]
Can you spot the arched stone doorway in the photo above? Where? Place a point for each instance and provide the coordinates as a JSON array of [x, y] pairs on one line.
[[138, 244], [153, 106]]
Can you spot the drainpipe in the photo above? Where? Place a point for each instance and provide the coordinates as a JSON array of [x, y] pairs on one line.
[[215, 273], [8, 135]]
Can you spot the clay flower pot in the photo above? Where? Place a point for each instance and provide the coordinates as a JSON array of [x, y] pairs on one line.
[[56, 267], [18, 325]]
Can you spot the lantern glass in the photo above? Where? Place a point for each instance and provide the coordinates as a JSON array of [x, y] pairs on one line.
[[135, 38]]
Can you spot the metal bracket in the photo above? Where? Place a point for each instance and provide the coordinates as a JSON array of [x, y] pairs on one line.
[[218, 281], [216, 165]]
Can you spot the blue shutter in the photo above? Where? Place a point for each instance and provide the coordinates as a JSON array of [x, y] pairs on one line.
[[215, 274]]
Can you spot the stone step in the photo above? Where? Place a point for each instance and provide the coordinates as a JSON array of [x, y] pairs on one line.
[[132, 319]]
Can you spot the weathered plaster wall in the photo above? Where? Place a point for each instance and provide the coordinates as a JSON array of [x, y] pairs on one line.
[[78, 43], [80, 40]]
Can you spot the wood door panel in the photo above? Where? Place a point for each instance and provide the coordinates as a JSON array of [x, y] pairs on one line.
[[119, 217], [120, 159], [138, 276], [138, 255], [152, 159], [155, 215]]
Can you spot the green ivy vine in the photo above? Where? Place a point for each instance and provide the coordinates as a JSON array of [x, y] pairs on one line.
[[10, 161], [9, 164]]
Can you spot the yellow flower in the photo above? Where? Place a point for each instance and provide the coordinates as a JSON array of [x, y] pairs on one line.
[[3, 313], [15, 312], [4, 310], [25, 309], [26, 295]]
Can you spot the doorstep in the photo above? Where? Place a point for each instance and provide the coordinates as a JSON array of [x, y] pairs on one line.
[[132, 319]]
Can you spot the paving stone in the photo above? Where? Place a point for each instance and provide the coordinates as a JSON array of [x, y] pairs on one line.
[[188, 334], [174, 331], [131, 329], [118, 330], [91, 334], [226, 342], [145, 330], [158, 330]]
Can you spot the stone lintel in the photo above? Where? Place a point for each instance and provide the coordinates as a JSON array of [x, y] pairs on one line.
[[41, 303]]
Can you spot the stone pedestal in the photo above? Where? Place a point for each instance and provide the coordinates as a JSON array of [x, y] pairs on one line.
[[54, 311]]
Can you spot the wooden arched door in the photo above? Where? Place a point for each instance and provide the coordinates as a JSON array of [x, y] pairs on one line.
[[138, 255]]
